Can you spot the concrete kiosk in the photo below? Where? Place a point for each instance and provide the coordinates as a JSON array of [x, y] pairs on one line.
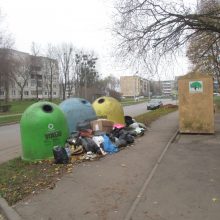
[[196, 109]]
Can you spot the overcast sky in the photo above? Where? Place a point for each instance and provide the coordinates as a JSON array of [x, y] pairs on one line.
[[86, 24]]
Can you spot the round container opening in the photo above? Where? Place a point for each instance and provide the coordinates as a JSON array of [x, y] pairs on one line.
[[84, 101], [47, 108], [100, 101]]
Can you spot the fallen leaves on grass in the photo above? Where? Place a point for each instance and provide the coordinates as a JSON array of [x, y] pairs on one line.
[[19, 178]]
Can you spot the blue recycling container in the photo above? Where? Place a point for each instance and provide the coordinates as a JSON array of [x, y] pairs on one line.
[[77, 110]]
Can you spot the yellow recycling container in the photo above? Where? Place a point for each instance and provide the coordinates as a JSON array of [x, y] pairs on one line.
[[109, 108], [196, 111]]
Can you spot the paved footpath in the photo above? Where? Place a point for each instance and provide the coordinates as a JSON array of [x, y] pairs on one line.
[[186, 185], [104, 189]]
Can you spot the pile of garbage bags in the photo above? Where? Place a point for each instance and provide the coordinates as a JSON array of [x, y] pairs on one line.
[[90, 142], [76, 127]]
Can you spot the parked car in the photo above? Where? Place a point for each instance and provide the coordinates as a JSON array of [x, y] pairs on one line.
[[154, 104]]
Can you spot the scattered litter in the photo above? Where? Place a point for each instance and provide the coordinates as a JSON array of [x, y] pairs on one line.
[[214, 199]]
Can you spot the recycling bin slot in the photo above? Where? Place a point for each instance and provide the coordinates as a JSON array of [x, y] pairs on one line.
[[47, 108], [84, 101], [100, 101]]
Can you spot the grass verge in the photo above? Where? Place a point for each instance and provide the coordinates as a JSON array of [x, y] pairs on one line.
[[19, 179], [21, 106], [10, 119], [151, 116], [17, 107], [132, 102]]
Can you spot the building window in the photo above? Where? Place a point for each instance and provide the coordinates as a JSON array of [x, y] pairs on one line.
[[2, 93], [45, 93], [12, 84], [39, 83], [54, 86], [26, 93], [33, 82], [33, 92], [54, 93], [13, 92]]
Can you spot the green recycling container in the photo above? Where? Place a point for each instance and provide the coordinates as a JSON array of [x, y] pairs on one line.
[[43, 125]]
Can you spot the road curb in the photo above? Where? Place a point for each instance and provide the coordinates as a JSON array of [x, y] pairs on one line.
[[8, 212], [149, 178]]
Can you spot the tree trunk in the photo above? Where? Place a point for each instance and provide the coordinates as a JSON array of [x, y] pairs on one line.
[[64, 91], [21, 97], [6, 92]]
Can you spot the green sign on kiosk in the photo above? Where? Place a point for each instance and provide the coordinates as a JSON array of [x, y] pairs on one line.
[[43, 126]]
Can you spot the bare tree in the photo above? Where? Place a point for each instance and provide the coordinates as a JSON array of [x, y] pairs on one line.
[[6, 43], [159, 26], [86, 74], [51, 66], [21, 72], [203, 50], [5, 72], [64, 55], [36, 67]]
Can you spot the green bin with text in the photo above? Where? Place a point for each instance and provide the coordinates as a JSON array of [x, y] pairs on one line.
[[43, 125]]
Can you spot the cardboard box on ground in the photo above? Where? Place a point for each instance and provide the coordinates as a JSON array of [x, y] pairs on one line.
[[102, 125]]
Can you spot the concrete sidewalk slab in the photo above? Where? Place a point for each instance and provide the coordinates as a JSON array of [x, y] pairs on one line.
[[103, 189], [187, 182]]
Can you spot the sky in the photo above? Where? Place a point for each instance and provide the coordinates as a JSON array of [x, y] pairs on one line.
[[86, 24]]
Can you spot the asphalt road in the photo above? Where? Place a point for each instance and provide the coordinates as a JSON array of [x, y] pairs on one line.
[[134, 110], [10, 143]]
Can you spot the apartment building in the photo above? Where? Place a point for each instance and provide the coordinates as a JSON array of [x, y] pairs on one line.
[[167, 87], [164, 88], [31, 77], [132, 86]]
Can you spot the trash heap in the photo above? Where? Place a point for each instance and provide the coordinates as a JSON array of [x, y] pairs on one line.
[[107, 134], [91, 142], [76, 128]]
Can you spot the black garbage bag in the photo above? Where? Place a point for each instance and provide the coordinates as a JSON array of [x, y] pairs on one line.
[[126, 136], [60, 155], [89, 145], [115, 132], [83, 125], [120, 142], [128, 120]]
